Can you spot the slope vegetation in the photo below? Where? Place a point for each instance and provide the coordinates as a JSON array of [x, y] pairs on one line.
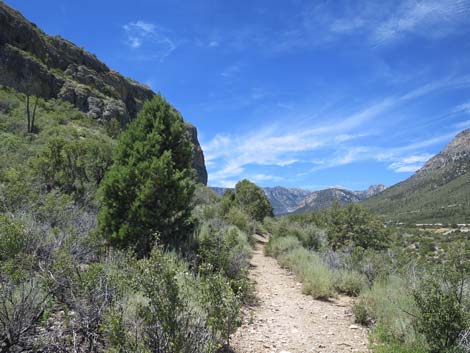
[[438, 193]]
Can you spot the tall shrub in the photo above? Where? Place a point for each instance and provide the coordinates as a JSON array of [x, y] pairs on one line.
[[147, 192]]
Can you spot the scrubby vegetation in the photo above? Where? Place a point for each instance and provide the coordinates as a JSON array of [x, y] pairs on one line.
[[412, 289], [109, 245]]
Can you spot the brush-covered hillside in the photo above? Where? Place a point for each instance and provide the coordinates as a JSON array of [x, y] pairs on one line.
[[437, 193]]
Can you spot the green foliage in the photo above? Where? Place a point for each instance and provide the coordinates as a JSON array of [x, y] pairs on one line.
[[73, 165], [252, 200], [353, 225], [438, 197], [228, 201], [388, 303], [280, 245], [13, 238], [443, 308], [158, 310], [223, 308], [360, 314], [307, 233], [348, 282], [224, 249], [147, 193], [316, 277], [242, 220], [53, 268]]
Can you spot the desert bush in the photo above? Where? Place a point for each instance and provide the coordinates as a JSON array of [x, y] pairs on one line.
[[316, 277], [360, 314], [223, 307], [354, 225], [157, 314], [22, 304], [224, 249], [388, 303], [13, 238], [308, 234], [240, 219], [349, 282], [443, 308], [280, 245], [372, 263]]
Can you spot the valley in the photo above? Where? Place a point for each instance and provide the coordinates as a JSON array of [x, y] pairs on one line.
[[114, 236]]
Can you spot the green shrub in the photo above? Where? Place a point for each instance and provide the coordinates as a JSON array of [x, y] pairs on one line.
[[280, 245], [240, 219], [13, 238], [354, 225], [349, 282], [316, 277], [159, 312], [360, 314], [387, 303], [223, 307], [253, 200], [443, 308], [224, 249]]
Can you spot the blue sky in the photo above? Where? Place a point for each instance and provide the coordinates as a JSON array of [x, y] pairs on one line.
[[296, 93]]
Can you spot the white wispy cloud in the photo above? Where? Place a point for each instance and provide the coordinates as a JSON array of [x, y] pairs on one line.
[[427, 18], [231, 71], [228, 156], [410, 163], [463, 108], [148, 40], [377, 22], [278, 145]]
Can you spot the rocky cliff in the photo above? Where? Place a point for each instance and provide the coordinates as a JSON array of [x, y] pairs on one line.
[[35, 63], [458, 150]]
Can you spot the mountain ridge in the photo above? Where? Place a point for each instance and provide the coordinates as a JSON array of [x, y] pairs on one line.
[[436, 193], [287, 200]]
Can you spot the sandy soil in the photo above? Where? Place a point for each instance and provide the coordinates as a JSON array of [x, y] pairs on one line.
[[285, 320]]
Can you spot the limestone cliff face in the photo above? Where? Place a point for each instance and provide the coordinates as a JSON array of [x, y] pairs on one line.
[[198, 156], [455, 154], [52, 67]]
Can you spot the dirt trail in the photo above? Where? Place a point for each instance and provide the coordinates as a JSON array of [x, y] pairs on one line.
[[285, 320]]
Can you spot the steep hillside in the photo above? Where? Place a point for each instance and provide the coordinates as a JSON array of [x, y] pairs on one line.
[[317, 200], [325, 198], [37, 64], [438, 192], [286, 200]]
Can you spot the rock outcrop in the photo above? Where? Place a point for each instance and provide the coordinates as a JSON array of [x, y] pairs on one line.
[[456, 151], [198, 155], [46, 66]]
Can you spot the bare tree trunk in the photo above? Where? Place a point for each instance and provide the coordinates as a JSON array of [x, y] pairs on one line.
[[28, 113], [33, 119]]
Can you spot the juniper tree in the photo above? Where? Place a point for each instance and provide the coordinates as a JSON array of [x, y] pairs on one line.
[[147, 192]]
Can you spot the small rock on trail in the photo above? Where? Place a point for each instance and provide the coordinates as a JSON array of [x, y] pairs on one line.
[[287, 321]]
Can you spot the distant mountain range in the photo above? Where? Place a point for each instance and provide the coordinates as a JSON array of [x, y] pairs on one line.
[[437, 193], [294, 200]]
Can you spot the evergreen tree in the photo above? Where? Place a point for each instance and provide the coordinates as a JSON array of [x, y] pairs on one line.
[[253, 200], [146, 194]]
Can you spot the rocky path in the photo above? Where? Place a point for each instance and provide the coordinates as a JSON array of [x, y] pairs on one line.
[[285, 320]]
